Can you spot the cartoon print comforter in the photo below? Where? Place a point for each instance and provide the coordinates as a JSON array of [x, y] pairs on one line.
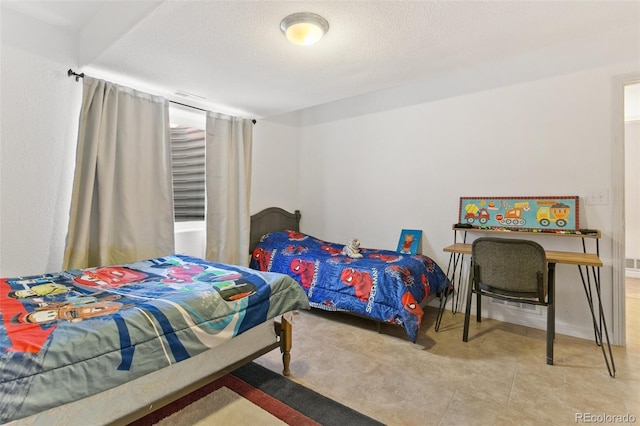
[[383, 285], [68, 335]]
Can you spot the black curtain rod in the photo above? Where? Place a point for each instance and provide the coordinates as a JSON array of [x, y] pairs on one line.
[[75, 74], [81, 75]]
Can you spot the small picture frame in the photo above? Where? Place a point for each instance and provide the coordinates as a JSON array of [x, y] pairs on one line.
[[409, 242]]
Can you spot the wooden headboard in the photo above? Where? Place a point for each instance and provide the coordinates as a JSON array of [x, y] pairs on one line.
[[272, 219]]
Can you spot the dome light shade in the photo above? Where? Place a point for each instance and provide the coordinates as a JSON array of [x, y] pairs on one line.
[[304, 28]]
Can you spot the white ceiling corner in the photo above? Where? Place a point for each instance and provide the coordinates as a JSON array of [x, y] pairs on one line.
[[111, 21]]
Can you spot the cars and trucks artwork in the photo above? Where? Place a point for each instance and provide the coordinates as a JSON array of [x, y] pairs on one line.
[[544, 214]]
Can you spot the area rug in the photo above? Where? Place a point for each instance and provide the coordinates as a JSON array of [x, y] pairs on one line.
[[254, 395]]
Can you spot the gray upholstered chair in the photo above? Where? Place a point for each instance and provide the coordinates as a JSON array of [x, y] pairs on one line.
[[512, 270]]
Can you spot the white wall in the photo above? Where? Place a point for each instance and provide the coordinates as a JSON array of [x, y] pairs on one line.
[[408, 166], [40, 107], [275, 165]]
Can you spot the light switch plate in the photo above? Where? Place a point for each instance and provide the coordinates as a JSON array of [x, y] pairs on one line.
[[599, 197]]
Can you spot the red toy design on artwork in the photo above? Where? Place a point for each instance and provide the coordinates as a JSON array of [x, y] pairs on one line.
[[360, 280], [406, 244]]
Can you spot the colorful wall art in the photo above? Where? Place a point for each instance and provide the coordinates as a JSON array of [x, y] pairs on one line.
[[549, 213]]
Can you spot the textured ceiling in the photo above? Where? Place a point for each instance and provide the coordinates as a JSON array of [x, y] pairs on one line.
[[233, 54]]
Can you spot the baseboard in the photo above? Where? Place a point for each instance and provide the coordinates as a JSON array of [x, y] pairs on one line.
[[632, 273], [539, 322], [534, 319]]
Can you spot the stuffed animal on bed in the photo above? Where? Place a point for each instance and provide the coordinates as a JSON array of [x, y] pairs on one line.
[[352, 249]]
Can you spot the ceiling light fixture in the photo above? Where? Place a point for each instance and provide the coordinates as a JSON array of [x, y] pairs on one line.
[[304, 28]]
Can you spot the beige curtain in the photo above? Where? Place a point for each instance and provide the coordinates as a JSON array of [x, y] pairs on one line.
[[229, 142], [122, 201]]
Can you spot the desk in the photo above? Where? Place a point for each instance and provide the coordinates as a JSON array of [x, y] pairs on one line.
[[566, 257], [588, 266]]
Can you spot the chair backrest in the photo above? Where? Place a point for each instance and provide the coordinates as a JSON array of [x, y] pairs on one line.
[[510, 267]]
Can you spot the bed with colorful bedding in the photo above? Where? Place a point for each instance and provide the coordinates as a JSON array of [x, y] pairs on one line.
[[383, 285], [71, 335]]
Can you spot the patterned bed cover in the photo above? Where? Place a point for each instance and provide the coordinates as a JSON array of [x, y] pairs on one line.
[[383, 285], [67, 335]]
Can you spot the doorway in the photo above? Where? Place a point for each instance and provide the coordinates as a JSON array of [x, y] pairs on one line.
[[632, 211]]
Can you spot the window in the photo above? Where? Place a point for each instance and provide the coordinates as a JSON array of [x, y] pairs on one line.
[[187, 154]]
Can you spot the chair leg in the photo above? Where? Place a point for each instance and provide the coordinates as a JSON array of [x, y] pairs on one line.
[[551, 313], [478, 307], [550, 333], [467, 315]]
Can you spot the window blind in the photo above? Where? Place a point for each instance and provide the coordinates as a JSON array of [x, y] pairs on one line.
[[187, 154]]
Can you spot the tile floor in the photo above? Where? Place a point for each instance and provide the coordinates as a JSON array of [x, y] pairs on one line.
[[498, 378]]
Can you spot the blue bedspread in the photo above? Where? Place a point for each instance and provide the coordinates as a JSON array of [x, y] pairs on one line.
[[68, 335], [383, 285]]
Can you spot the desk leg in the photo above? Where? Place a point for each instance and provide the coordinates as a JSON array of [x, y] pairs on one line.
[[454, 260], [445, 294], [551, 312], [599, 323], [443, 302], [455, 301]]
